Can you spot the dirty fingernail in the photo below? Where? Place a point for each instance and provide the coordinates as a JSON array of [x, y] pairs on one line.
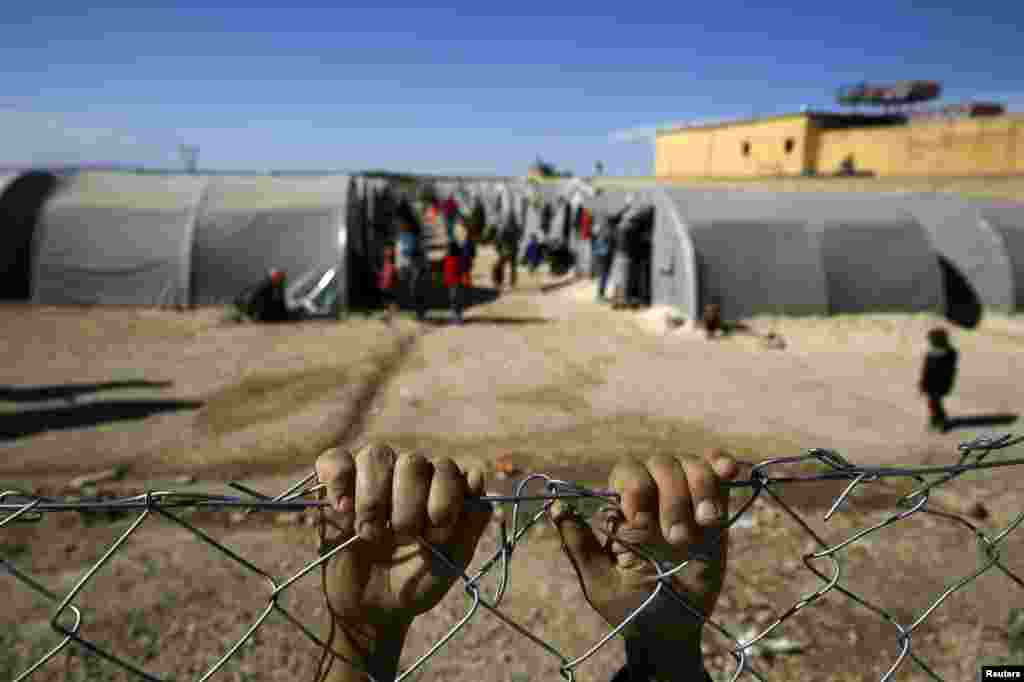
[[643, 519], [677, 533], [368, 530], [707, 512]]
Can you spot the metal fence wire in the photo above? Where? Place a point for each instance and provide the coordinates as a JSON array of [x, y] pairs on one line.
[[67, 619]]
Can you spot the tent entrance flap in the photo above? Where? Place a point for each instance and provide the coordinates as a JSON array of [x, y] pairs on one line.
[[21, 203], [963, 306]]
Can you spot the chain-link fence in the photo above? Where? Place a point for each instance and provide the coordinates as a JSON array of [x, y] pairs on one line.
[[67, 616]]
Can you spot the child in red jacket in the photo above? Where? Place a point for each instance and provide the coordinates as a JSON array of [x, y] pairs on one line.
[[387, 283], [454, 271]]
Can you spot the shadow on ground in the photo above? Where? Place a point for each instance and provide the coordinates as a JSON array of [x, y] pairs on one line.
[[548, 288], [69, 392], [438, 298], [981, 420], [490, 319], [21, 424]]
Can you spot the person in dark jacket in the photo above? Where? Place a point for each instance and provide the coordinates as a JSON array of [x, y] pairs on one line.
[[603, 247], [937, 376], [411, 258], [509, 236], [533, 253], [267, 302]]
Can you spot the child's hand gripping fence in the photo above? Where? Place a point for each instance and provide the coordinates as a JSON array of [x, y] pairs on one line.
[[67, 619]]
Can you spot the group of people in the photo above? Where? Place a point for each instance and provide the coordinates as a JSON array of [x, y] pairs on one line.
[[407, 270], [620, 251]]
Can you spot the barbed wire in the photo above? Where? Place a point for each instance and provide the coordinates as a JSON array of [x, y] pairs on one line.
[[67, 619]]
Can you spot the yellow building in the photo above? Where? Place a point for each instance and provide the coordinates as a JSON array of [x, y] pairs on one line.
[[819, 143]]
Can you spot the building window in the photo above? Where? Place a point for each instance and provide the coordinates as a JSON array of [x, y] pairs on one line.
[[790, 145], [746, 149]]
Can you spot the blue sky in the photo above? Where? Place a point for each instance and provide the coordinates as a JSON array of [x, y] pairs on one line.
[[464, 88]]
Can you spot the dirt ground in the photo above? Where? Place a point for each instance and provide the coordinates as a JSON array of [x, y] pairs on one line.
[[544, 375]]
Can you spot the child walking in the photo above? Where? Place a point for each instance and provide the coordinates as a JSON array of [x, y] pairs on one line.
[[937, 376]]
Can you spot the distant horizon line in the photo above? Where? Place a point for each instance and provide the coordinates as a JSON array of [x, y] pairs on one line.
[[141, 169]]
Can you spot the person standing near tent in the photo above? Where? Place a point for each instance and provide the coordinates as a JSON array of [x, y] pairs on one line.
[[622, 264], [468, 258], [508, 250], [454, 278], [387, 283], [411, 258], [603, 246], [532, 258], [586, 223], [937, 376], [450, 213]]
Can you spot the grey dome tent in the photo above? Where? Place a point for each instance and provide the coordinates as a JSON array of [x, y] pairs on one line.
[[117, 238], [760, 252], [979, 245], [249, 225], [121, 238], [1007, 219]]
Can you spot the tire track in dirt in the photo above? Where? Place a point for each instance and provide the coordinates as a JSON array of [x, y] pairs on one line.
[[376, 384]]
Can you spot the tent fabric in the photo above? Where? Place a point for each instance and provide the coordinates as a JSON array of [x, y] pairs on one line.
[[120, 238], [760, 252], [674, 265], [1007, 220], [117, 238], [961, 233], [249, 225], [877, 257]]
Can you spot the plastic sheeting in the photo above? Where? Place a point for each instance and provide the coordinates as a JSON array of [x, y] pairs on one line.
[[248, 226], [877, 256], [959, 233], [117, 238], [765, 253], [1007, 219]]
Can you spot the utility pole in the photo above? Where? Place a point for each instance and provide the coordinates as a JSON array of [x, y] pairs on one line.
[[190, 157]]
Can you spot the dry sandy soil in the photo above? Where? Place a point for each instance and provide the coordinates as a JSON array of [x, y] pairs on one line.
[[543, 375]]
